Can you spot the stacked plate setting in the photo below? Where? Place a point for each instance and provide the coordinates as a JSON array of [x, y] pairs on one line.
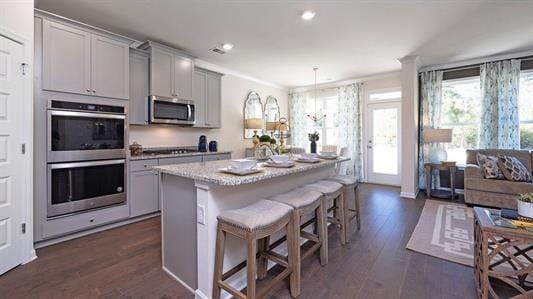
[[242, 167], [308, 158], [281, 161], [328, 155]]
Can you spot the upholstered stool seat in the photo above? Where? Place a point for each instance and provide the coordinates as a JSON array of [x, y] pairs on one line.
[[258, 215], [333, 200], [328, 188], [349, 183], [298, 198], [306, 202], [343, 179], [254, 223]]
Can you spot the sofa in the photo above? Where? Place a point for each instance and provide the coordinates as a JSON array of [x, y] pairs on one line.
[[493, 192]]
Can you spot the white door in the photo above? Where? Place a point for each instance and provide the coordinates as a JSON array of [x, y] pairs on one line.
[[383, 143], [11, 158]]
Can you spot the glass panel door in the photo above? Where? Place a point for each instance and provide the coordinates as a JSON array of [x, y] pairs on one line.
[[383, 143]]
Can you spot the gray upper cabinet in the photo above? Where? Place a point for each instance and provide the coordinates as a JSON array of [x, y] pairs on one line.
[[213, 110], [162, 70], [83, 62], [183, 77], [171, 71], [139, 73], [110, 67], [199, 96], [66, 58], [207, 97]]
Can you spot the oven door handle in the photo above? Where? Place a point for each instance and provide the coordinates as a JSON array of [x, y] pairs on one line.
[[86, 164], [86, 114], [189, 112]]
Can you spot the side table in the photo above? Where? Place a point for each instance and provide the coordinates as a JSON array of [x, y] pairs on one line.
[[501, 252], [429, 178]]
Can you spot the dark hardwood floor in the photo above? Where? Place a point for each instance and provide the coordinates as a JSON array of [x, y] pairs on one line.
[[126, 263]]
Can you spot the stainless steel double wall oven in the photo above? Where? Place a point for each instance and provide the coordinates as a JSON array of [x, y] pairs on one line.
[[86, 156]]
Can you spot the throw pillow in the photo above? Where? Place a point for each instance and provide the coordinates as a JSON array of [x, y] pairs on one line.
[[489, 165], [513, 169]]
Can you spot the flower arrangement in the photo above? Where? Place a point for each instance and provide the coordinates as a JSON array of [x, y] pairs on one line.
[[313, 137]]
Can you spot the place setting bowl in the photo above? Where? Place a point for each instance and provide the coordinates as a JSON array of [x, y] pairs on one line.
[[308, 158], [242, 167], [280, 161], [328, 155]]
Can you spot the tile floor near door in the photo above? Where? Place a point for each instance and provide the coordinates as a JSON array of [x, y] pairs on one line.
[[126, 262]]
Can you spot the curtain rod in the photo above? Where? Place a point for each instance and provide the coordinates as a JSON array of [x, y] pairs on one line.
[[476, 65]]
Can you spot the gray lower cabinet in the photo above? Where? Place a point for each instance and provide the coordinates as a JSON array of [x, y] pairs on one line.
[[144, 198], [207, 97], [139, 77], [216, 157], [82, 61]]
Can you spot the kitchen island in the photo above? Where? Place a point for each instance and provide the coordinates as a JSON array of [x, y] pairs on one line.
[[192, 196]]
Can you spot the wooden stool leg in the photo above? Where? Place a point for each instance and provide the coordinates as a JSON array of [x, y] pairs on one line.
[[293, 246], [322, 229], [262, 266], [346, 221], [357, 209], [219, 261], [341, 218], [251, 266]]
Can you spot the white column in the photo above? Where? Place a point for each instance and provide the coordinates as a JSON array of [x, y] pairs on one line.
[[409, 152]]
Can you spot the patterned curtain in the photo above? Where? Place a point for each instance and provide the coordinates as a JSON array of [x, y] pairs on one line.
[[298, 119], [499, 124], [350, 128], [431, 96]]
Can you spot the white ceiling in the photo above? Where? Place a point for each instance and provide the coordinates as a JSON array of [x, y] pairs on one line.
[[347, 39]]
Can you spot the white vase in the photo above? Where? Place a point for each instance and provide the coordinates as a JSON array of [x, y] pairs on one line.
[[525, 209]]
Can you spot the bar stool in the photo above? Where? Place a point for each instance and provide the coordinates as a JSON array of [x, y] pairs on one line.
[[333, 196], [305, 202], [253, 223], [349, 182]]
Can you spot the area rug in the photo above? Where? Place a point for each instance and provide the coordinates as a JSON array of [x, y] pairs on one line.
[[445, 230]]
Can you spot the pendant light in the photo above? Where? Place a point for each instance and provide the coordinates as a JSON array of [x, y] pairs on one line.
[[315, 117]]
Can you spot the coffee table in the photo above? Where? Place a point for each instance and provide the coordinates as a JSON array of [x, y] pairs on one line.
[[502, 253]]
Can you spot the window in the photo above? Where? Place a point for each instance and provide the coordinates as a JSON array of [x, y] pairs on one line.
[[525, 109], [328, 127], [460, 111]]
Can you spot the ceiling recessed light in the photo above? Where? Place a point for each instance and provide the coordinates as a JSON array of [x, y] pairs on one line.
[[227, 46], [308, 15]]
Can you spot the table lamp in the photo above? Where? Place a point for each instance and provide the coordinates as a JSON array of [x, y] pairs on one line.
[[271, 126], [254, 124], [283, 128], [436, 153]]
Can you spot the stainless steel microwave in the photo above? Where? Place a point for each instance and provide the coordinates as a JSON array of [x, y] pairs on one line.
[[171, 111]]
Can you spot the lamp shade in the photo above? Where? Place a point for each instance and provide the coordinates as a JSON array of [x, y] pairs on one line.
[[437, 135], [271, 125], [253, 123]]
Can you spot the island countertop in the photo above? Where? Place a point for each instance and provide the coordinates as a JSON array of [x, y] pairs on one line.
[[209, 172]]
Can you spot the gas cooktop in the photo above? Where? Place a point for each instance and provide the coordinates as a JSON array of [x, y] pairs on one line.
[[172, 151]]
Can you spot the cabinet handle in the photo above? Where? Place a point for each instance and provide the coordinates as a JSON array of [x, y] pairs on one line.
[[88, 90], [145, 165], [94, 91]]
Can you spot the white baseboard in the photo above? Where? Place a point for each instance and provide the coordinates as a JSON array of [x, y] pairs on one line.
[[73, 236], [408, 194], [199, 295], [181, 281]]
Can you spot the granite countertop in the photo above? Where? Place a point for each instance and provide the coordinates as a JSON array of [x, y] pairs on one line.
[[162, 156], [209, 171]]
